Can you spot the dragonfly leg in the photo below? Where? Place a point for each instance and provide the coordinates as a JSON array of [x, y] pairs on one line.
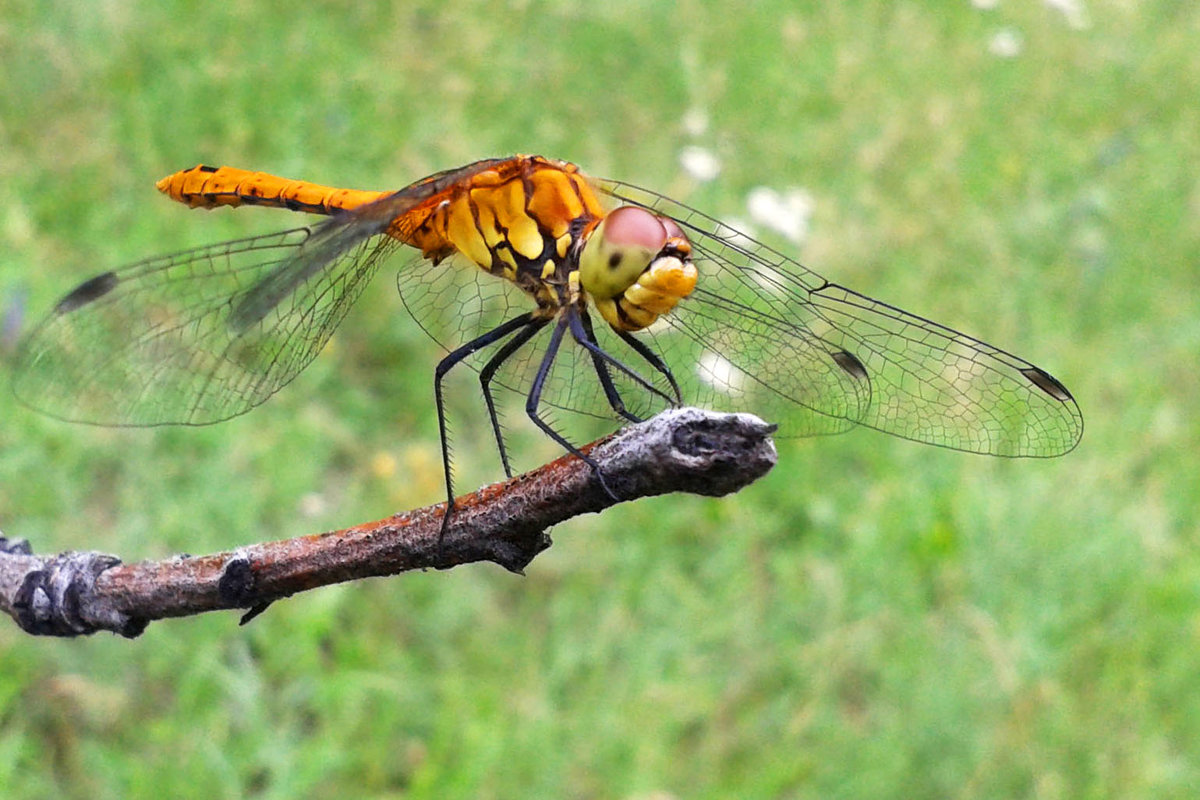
[[598, 353], [488, 372], [653, 359], [610, 390], [443, 367], [535, 397]]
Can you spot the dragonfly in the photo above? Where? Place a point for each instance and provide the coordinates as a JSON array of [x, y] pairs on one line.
[[583, 295]]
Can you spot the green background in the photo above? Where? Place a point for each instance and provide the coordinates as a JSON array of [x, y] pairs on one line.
[[874, 619]]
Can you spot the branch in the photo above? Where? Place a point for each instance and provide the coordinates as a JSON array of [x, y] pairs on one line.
[[685, 450]]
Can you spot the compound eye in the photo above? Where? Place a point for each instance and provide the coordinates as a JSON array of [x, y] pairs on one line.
[[672, 228], [630, 226]]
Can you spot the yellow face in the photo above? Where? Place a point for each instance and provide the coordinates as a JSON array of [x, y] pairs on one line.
[[619, 250], [636, 266]]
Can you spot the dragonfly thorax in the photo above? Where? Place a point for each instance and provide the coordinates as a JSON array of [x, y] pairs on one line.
[[636, 266]]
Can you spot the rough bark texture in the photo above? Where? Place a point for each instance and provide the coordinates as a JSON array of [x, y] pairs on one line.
[[685, 450]]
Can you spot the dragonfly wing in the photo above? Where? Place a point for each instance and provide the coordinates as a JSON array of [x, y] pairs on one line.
[[783, 337], [936, 385], [454, 301], [198, 336], [727, 355]]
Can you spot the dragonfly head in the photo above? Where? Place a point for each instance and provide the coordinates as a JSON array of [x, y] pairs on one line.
[[636, 266]]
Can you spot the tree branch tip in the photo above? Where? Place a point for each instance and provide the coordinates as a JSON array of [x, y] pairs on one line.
[[693, 450]]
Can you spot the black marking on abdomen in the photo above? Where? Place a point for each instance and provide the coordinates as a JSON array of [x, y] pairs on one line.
[[88, 291], [291, 204], [207, 168]]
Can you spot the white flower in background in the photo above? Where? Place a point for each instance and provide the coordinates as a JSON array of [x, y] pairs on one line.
[[738, 232], [787, 214], [1006, 43], [985, 5], [313, 504], [695, 122], [731, 231], [700, 163], [719, 373], [1074, 11]]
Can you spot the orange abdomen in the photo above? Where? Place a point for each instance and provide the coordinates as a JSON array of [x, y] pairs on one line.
[[208, 187]]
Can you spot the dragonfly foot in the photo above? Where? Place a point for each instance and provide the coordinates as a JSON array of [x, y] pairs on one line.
[[603, 483]]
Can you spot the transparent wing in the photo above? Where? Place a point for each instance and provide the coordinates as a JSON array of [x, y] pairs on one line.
[[455, 301], [202, 335], [765, 334]]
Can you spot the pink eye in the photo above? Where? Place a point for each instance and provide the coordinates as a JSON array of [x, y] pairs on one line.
[[672, 228], [633, 226]]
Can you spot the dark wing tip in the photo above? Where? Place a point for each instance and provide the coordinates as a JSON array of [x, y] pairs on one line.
[[88, 291], [850, 363], [1048, 384]]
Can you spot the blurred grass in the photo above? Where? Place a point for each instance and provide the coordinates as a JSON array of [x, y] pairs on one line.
[[875, 619]]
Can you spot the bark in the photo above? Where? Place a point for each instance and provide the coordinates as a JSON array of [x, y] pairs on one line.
[[685, 450]]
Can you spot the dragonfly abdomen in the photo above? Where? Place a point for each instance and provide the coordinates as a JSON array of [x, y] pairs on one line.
[[209, 187]]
